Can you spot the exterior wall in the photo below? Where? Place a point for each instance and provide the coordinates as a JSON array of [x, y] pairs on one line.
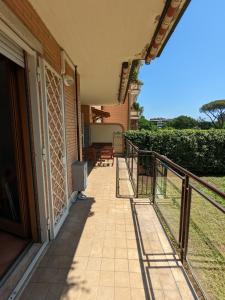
[[118, 114], [52, 54], [25, 12], [85, 110], [105, 133], [71, 128]]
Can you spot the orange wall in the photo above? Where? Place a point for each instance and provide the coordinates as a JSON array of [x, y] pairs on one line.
[[25, 12], [85, 110], [71, 128], [118, 114]]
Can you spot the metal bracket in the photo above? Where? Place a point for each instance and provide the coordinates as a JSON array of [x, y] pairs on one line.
[[43, 153], [48, 223], [38, 74]]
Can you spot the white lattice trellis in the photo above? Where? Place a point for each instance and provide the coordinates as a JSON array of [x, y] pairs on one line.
[[56, 143]]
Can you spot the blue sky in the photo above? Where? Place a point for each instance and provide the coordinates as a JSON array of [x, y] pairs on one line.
[[191, 69]]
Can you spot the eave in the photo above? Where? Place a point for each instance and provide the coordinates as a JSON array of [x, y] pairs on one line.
[[100, 36], [172, 13]]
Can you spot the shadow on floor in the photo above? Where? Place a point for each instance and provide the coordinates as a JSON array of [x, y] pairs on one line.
[[50, 279], [155, 260], [149, 259]]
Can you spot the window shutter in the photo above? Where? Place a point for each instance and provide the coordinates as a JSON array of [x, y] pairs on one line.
[[11, 50]]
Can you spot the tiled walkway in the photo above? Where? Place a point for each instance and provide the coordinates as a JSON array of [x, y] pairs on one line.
[[109, 248]]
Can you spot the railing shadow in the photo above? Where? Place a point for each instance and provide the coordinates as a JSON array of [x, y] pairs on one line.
[[151, 261]]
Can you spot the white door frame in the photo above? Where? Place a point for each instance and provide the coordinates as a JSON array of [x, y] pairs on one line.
[[36, 100]]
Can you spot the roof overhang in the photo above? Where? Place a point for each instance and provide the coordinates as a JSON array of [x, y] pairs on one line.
[[101, 37], [170, 17]]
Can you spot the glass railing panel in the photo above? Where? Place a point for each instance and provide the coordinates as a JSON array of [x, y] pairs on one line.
[[168, 197], [206, 242]]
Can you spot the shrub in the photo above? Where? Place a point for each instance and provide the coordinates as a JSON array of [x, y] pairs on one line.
[[200, 151]]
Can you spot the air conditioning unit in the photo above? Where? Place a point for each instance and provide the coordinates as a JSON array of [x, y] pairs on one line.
[[79, 175]]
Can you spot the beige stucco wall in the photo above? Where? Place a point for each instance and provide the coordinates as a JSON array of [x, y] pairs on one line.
[[103, 133]]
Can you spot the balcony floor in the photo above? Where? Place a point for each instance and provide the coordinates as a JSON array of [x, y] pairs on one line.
[[109, 248]]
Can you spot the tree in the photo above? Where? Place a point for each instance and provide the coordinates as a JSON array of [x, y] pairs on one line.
[[215, 110], [203, 124], [182, 122], [146, 124], [136, 106]]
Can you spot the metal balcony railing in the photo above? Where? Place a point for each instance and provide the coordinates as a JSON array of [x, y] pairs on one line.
[[191, 211]]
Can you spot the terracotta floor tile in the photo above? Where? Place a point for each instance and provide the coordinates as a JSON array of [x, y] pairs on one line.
[[136, 280], [120, 227], [107, 278], [121, 264], [94, 264], [138, 294], [109, 242], [96, 250], [130, 235], [133, 254], [108, 264], [158, 294], [120, 235], [132, 244], [172, 295], [120, 253], [134, 265], [105, 293], [120, 243], [122, 293], [108, 252], [122, 279]]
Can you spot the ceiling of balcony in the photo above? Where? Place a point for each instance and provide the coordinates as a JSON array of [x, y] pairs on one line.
[[99, 36]]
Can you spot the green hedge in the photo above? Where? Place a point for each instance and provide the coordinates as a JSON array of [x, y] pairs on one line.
[[200, 151]]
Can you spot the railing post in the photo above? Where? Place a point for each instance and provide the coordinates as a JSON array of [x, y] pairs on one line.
[[153, 177], [164, 181], [132, 157], [125, 148], [184, 217], [137, 174], [187, 224]]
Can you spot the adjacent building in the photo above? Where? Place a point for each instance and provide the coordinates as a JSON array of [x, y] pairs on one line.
[[159, 122]]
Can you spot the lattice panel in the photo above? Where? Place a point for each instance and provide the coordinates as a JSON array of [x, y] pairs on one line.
[[56, 142]]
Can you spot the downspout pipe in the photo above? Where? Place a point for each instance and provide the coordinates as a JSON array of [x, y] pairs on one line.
[[77, 111]]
